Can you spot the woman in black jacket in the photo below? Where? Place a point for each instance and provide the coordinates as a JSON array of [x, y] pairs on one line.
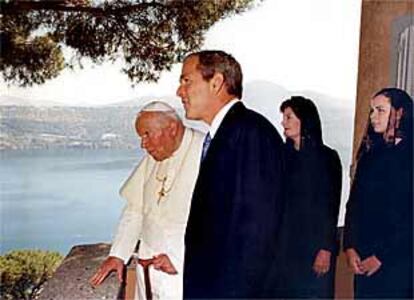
[[307, 245], [378, 237]]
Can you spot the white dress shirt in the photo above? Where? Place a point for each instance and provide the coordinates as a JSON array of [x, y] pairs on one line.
[[218, 118]]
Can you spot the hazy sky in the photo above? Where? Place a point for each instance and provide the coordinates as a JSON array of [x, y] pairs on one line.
[[297, 44]]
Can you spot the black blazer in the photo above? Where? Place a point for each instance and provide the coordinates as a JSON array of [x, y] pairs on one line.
[[231, 231]]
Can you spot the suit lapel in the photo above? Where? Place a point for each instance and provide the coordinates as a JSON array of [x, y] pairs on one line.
[[222, 133]]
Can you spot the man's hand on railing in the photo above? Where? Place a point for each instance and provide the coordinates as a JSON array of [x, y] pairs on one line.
[[109, 265]]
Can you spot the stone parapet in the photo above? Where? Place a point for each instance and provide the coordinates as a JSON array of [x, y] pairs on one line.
[[70, 280]]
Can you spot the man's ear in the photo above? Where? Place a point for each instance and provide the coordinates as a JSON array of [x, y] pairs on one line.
[[217, 83]]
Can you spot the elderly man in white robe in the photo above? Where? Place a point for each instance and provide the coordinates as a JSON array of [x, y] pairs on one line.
[[158, 195]]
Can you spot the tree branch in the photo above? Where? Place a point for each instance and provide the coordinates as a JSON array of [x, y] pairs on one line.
[[15, 7]]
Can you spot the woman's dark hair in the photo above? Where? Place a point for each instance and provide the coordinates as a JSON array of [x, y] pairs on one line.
[[307, 113], [400, 123]]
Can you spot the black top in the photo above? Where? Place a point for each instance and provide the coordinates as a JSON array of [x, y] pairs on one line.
[[313, 195], [379, 217], [310, 216]]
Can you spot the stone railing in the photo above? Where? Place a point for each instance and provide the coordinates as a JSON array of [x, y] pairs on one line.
[[71, 278]]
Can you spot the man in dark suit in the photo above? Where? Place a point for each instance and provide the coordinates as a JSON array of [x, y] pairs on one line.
[[233, 221]]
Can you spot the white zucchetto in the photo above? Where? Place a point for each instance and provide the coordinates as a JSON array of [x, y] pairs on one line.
[[157, 106]]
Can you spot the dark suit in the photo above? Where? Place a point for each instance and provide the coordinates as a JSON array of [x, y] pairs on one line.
[[233, 221]]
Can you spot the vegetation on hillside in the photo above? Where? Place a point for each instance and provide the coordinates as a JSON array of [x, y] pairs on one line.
[[23, 272]]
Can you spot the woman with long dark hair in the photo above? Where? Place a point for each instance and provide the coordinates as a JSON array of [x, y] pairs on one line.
[[378, 237], [307, 246]]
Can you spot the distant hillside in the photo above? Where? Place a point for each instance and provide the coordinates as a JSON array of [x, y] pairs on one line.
[[30, 124], [28, 127]]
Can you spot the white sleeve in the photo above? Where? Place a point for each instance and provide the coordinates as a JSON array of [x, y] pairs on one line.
[[175, 251], [129, 227]]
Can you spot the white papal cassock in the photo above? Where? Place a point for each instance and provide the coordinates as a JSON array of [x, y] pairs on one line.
[[159, 222]]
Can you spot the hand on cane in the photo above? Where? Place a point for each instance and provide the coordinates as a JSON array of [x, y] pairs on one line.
[[163, 263], [354, 261]]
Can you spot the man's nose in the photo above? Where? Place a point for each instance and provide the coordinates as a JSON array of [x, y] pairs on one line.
[[179, 91], [144, 143]]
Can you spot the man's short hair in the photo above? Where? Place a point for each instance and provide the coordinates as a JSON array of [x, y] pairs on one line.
[[216, 61]]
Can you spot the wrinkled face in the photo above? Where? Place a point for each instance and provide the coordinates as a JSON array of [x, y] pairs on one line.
[[291, 124], [156, 138], [194, 91], [380, 113]]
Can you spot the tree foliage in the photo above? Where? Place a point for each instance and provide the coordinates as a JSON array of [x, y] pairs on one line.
[[40, 38], [23, 272]]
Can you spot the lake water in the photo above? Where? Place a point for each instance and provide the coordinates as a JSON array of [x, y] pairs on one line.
[[56, 199]]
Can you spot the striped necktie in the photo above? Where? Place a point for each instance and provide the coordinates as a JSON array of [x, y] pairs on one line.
[[206, 144]]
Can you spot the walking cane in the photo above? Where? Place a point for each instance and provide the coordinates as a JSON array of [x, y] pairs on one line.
[[146, 263]]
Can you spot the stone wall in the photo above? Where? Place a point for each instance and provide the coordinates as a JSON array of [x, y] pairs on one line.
[[71, 278]]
